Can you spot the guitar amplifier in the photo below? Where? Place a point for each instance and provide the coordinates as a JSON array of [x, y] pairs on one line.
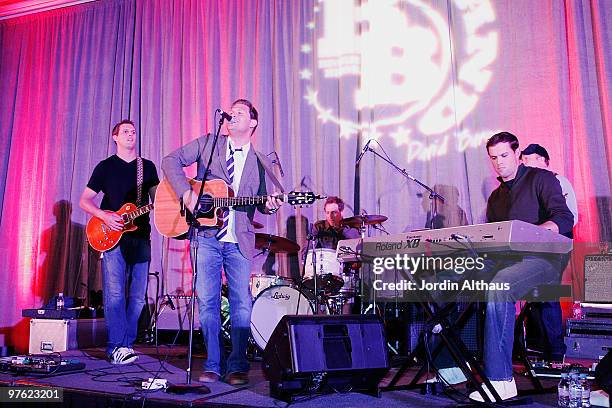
[[597, 282]]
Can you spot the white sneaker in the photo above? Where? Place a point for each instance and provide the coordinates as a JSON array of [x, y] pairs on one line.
[[505, 389], [123, 355]]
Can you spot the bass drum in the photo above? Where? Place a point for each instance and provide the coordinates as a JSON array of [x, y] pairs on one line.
[[270, 307]]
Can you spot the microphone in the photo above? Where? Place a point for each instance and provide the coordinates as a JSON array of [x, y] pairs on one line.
[[365, 149], [225, 115], [277, 161]]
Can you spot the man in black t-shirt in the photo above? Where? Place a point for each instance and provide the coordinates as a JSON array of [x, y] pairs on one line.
[[123, 178]]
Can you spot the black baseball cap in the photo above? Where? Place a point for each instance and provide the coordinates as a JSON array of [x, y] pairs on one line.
[[537, 149]]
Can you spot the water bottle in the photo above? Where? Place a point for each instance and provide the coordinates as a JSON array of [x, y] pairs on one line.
[[585, 391], [575, 400], [577, 310], [563, 391], [59, 303]]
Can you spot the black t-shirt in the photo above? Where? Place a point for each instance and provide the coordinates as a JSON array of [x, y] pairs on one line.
[[116, 178]]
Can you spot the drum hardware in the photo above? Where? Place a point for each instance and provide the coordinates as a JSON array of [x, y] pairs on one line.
[[311, 241], [360, 222]]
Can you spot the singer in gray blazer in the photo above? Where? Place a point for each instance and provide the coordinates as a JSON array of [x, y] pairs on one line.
[[232, 246]]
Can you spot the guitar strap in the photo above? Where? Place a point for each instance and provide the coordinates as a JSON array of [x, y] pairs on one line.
[[139, 181], [269, 171]]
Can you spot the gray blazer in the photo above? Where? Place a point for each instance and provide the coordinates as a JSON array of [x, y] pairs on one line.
[[254, 180]]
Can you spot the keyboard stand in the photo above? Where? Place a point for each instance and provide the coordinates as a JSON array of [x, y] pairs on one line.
[[457, 348]]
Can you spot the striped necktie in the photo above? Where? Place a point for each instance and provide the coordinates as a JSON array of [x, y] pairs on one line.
[[230, 171]]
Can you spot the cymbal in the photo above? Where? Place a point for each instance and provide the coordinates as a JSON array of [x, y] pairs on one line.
[[358, 220], [257, 225], [276, 244]]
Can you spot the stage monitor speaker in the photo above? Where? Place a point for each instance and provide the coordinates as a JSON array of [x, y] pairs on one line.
[[315, 354]]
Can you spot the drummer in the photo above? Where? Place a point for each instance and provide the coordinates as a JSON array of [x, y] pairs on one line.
[[329, 231]]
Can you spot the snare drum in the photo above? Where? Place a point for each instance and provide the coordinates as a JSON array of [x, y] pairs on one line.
[[271, 305], [260, 282]]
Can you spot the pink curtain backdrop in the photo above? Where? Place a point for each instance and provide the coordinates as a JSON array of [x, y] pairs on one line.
[[430, 81]]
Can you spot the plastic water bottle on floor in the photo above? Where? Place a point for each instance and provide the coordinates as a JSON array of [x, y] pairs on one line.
[[563, 391], [577, 310], [575, 400], [585, 391], [59, 303]]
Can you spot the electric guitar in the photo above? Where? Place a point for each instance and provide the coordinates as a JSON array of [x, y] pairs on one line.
[[170, 216], [102, 238]]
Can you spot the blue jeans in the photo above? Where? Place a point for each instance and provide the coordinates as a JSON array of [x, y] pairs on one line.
[[522, 276], [121, 311], [552, 323], [211, 257]]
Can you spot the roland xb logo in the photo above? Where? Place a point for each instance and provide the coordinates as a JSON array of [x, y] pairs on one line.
[[395, 60]]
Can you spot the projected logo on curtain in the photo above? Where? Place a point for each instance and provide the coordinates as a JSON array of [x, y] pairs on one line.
[[394, 59]]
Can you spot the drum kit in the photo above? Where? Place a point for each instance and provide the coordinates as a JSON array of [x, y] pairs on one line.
[[276, 296]]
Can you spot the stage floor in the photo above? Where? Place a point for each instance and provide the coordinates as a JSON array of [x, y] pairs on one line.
[[103, 384]]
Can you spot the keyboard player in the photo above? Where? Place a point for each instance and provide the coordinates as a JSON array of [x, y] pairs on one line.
[[532, 195]]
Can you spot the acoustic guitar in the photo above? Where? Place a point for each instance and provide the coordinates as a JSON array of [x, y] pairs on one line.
[[102, 238], [171, 217]]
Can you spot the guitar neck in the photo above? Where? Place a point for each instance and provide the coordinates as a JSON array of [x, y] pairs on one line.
[[237, 201], [132, 215]]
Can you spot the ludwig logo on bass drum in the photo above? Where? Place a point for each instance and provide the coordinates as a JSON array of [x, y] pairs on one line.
[[279, 295]]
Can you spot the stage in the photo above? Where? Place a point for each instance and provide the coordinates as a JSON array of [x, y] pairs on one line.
[[107, 385]]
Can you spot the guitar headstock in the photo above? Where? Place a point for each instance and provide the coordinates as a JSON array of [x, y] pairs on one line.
[[301, 198]]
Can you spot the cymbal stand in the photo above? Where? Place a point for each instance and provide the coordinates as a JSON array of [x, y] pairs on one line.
[[362, 231]]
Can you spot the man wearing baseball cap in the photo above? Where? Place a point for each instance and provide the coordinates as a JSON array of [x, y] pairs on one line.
[[535, 155]]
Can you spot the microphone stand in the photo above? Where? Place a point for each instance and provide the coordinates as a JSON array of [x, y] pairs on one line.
[[192, 235], [433, 205], [311, 240]]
